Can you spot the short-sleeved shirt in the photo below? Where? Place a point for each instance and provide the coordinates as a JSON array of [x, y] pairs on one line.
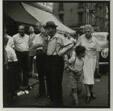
[[91, 45], [10, 41], [39, 39], [75, 62], [55, 44], [78, 64], [31, 38], [77, 77], [11, 55], [21, 44]]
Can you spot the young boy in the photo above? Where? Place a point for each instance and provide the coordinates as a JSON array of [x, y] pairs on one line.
[[76, 69]]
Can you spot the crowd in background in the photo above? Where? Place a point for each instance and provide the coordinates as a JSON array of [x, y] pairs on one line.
[[53, 52]]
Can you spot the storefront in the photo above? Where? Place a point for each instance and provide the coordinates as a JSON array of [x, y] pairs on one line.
[[16, 13]]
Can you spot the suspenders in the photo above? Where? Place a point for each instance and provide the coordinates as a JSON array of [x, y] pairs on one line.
[[55, 47]]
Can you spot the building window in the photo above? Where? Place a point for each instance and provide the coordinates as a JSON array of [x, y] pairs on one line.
[[61, 6], [61, 17]]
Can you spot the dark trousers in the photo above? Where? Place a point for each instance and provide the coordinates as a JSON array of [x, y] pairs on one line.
[[30, 65], [23, 60], [54, 72], [40, 64], [5, 87], [13, 77], [10, 82]]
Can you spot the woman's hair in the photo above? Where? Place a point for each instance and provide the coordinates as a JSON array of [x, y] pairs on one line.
[[88, 27], [80, 50]]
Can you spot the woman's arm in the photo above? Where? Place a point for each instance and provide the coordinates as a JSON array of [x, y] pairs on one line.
[[37, 42], [78, 41], [36, 45], [72, 69]]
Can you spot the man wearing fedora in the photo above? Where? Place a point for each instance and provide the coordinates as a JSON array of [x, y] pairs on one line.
[[55, 63]]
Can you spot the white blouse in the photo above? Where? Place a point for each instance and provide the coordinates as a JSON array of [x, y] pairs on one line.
[[91, 45]]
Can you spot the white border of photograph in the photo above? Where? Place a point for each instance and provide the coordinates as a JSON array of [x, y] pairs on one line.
[[51, 109]]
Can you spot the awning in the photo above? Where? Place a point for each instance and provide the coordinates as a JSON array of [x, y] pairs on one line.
[[43, 17], [18, 13]]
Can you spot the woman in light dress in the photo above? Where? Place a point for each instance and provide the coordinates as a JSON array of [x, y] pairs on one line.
[[90, 43]]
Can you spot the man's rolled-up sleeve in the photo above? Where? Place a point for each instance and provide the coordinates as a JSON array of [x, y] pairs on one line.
[[59, 45]]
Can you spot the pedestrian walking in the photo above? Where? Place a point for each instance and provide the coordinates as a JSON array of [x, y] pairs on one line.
[[76, 75], [91, 45], [21, 45], [55, 63]]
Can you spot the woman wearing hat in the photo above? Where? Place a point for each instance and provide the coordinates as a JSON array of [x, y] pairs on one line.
[[55, 63], [91, 45]]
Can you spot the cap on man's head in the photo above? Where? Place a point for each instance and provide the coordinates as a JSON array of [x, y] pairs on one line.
[[50, 24]]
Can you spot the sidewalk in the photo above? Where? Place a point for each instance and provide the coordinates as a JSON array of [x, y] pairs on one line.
[[101, 90]]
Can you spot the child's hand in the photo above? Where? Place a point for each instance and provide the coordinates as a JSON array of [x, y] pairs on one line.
[[67, 62], [66, 65], [79, 73]]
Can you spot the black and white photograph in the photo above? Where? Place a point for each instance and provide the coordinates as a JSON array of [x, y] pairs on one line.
[[56, 54]]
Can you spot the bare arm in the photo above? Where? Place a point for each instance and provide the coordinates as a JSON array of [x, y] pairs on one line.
[[72, 59], [34, 46], [72, 69], [78, 41], [37, 42]]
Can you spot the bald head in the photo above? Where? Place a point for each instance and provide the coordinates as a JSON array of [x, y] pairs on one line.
[[31, 29], [38, 27], [21, 29]]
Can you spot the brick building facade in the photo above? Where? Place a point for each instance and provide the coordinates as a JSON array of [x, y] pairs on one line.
[[77, 14]]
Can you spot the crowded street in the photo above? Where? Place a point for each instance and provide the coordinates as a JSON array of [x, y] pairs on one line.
[[30, 100], [56, 55]]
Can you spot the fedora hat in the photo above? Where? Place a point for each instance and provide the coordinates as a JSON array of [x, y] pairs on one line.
[[50, 24]]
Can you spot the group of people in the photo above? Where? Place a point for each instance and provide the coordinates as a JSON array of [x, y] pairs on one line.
[[53, 53]]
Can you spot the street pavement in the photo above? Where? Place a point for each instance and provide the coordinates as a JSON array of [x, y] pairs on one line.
[[100, 89]]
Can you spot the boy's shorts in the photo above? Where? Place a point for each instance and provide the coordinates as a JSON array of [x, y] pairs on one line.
[[76, 80]]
